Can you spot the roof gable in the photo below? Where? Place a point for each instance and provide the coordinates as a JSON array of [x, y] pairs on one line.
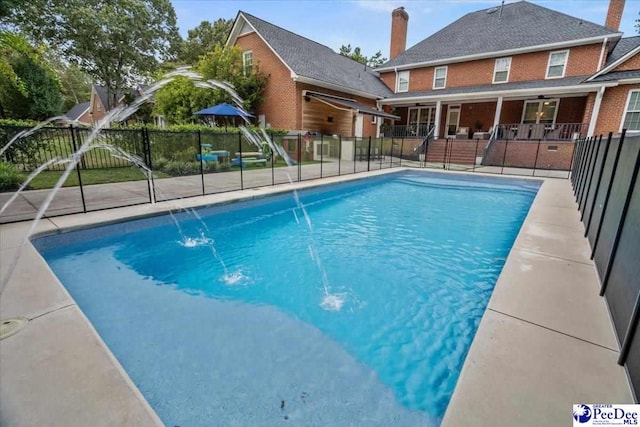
[[77, 110], [518, 25], [306, 58]]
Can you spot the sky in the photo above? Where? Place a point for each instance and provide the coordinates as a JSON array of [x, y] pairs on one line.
[[367, 23]]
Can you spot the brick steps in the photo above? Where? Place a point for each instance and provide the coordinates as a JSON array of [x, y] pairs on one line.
[[458, 151]]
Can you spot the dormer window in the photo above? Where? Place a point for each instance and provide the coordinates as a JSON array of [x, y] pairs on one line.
[[501, 70], [440, 77], [557, 64], [247, 62], [402, 82]]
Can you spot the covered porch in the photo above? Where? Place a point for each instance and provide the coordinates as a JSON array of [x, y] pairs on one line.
[[557, 110], [540, 118]]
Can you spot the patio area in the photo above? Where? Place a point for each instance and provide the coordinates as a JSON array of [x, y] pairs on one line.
[[545, 342]]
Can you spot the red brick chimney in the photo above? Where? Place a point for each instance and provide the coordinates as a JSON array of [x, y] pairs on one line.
[[399, 21], [614, 14]]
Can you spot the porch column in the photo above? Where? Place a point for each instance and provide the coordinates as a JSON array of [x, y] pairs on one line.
[[436, 131], [595, 112], [496, 118]]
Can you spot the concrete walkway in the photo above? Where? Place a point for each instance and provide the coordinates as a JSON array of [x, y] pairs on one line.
[[103, 196], [544, 343]]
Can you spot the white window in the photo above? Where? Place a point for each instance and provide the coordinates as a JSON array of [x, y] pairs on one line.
[[631, 116], [501, 70], [402, 83], [440, 77], [557, 64], [247, 62]]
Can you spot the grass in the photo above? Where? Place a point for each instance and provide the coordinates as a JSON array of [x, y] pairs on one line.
[[48, 179]]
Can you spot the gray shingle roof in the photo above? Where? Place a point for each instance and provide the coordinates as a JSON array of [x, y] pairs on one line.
[[618, 75], [535, 84], [521, 25], [313, 60], [77, 110], [623, 47]]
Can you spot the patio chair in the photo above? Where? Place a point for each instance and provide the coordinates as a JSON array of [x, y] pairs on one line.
[[462, 133], [556, 133], [537, 131], [523, 131]]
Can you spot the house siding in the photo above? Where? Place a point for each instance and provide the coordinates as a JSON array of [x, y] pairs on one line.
[[583, 60], [368, 129], [279, 106], [612, 108]]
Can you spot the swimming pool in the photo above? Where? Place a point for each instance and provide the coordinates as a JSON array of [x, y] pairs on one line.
[[251, 316]]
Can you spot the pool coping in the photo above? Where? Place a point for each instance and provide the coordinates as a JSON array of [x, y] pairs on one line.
[[35, 293]]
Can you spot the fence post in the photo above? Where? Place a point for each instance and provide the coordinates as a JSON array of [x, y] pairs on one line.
[[299, 157], [589, 172], [380, 153], [592, 167], [475, 155], [444, 156], [240, 157], [391, 155], [584, 168], [576, 163], [623, 217], [595, 194], [573, 158], [75, 150], [608, 193], [321, 153], [504, 156], [535, 162], [355, 146], [201, 160], [401, 150], [339, 153], [369, 156], [273, 156], [631, 331]]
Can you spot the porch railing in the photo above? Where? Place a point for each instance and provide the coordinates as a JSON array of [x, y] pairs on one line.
[[542, 131], [409, 131]]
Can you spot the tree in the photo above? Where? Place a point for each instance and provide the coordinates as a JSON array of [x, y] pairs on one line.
[[204, 38], [374, 61], [75, 84], [116, 42], [29, 89], [180, 99]]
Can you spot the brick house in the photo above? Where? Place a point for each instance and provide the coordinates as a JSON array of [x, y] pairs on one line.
[[310, 87], [99, 104], [526, 71]]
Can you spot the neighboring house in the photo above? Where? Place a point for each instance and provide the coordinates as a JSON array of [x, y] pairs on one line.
[[525, 70], [100, 103], [310, 86], [537, 73], [79, 112]]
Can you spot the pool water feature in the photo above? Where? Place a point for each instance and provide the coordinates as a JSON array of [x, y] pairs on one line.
[[412, 258]]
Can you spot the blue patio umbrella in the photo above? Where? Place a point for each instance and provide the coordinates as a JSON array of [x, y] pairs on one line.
[[224, 110]]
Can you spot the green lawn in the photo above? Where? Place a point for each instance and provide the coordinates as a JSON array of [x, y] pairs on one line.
[[47, 179]]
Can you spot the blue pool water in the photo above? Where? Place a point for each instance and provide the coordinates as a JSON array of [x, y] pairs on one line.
[[363, 319]]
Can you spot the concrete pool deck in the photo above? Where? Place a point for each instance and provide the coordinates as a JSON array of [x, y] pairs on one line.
[[545, 341]]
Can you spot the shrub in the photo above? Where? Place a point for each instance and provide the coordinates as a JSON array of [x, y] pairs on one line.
[[10, 178], [160, 164]]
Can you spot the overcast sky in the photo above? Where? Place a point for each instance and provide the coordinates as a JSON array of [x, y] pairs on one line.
[[367, 23]]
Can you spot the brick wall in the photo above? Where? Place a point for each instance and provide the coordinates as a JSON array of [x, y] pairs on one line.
[[571, 110], [483, 112], [588, 108], [511, 111], [614, 14], [612, 108], [583, 60], [280, 106], [399, 22], [632, 63], [530, 154]]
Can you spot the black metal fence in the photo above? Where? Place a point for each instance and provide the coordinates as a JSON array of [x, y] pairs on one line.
[[184, 164], [607, 189], [501, 156]]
